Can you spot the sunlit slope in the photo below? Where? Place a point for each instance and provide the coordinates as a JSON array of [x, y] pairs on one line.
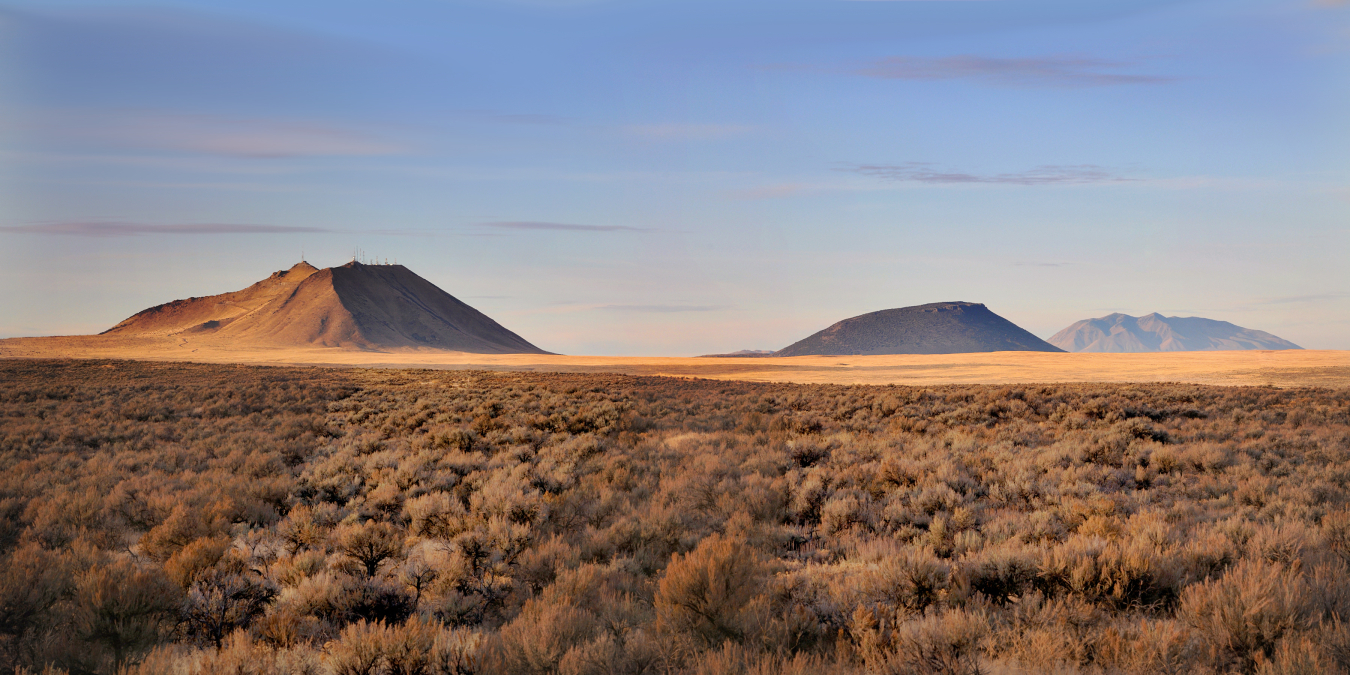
[[212, 312]]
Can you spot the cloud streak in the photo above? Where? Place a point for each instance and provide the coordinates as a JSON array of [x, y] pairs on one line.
[[131, 229], [686, 132], [780, 191], [1299, 299], [123, 229], [1047, 174], [213, 135], [1043, 71], [662, 309], [562, 227], [259, 139]]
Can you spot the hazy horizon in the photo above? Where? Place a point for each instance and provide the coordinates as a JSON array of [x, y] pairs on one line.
[[680, 178]]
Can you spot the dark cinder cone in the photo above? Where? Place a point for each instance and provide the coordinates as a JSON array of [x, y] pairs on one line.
[[937, 328]]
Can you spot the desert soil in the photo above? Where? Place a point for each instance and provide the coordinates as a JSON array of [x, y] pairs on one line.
[[1289, 368]]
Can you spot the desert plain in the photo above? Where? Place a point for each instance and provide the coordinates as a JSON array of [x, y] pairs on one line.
[[1284, 368]]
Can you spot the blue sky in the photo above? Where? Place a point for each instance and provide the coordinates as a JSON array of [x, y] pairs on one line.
[[657, 177]]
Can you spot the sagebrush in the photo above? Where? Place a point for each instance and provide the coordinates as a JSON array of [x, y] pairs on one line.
[[173, 518]]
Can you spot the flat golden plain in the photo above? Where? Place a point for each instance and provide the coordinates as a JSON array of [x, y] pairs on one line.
[[1286, 368]]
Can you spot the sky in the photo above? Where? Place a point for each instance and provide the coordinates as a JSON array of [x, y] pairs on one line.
[[681, 177]]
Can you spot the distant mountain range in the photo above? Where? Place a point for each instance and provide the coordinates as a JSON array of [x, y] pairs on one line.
[[388, 307], [937, 328], [1158, 333], [356, 306]]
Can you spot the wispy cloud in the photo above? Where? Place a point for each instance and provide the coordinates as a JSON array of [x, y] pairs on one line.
[[123, 229], [528, 118], [1049, 174], [1043, 71], [485, 115], [563, 227], [684, 132], [572, 307], [253, 138], [1041, 264], [262, 138], [177, 163], [779, 191], [1300, 299], [128, 229], [662, 309]]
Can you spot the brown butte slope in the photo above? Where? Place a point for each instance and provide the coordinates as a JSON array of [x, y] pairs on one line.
[[211, 312], [355, 306]]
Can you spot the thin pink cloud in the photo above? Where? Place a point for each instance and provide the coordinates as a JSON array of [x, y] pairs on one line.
[[1039, 71], [215, 135]]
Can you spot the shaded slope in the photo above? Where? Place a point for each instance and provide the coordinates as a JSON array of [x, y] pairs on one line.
[[937, 328], [1122, 333], [355, 306]]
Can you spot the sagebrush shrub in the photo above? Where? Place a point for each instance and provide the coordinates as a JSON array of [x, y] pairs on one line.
[[123, 607], [709, 592], [592, 523], [1243, 616]]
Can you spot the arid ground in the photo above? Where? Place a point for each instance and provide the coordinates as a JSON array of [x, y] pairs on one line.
[[1276, 368]]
